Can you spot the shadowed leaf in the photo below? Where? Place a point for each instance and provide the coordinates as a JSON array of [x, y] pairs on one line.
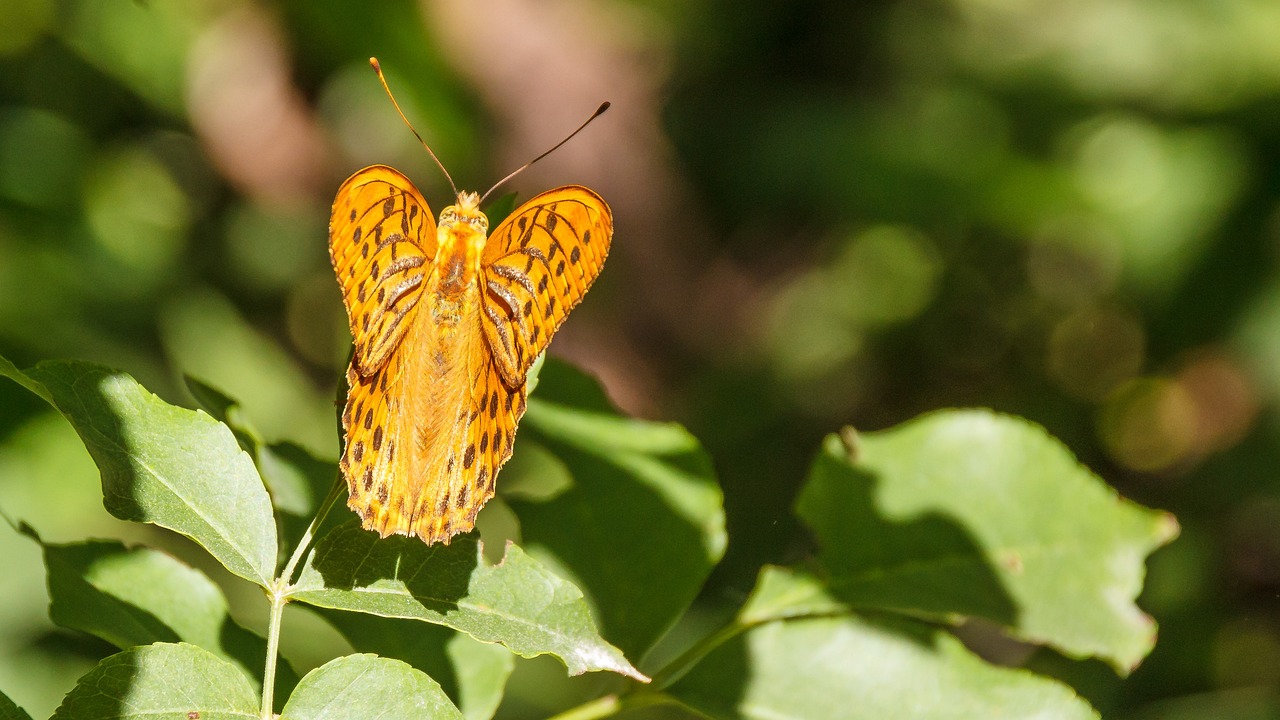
[[10, 711], [819, 666], [516, 602], [639, 525], [163, 464], [140, 596], [971, 513]]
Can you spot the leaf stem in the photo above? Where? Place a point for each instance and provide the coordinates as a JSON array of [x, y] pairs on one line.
[[304, 543], [610, 705], [676, 669], [279, 595], [278, 601]]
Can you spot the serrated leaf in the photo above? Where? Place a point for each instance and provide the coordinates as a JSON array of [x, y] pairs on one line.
[[9, 710], [846, 667], [640, 523], [9, 370], [971, 513], [177, 468], [356, 687], [218, 404], [139, 596], [161, 682], [516, 602], [473, 674]]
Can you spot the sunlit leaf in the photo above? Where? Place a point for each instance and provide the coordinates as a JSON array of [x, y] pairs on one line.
[[357, 687], [970, 513], [296, 479], [161, 681], [473, 674]]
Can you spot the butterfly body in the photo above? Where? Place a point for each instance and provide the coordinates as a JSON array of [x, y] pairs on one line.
[[447, 320]]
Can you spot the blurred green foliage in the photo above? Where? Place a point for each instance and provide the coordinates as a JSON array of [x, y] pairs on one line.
[[1066, 211]]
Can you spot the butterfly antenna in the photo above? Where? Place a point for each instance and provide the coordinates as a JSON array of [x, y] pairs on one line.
[[599, 111], [373, 61]]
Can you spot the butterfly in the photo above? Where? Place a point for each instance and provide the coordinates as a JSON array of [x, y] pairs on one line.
[[447, 319]]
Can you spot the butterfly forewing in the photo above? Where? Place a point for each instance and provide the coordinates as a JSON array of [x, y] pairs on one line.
[[537, 266], [382, 240]]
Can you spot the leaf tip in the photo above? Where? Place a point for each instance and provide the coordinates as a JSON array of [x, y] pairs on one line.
[[851, 441], [606, 657], [1167, 528]]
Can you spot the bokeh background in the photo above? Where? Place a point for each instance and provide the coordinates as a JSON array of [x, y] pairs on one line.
[[827, 212]]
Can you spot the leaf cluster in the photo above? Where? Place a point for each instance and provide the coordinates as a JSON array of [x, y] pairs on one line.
[[956, 519]]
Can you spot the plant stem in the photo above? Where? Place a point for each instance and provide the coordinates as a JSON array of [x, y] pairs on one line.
[[675, 669], [611, 705], [598, 708], [286, 576], [279, 596], [278, 601]]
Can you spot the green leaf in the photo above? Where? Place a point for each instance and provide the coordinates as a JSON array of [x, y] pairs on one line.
[[971, 513], [516, 602], [9, 710], [367, 686], [215, 402], [9, 370], [161, 682], [296, 480], [162, 464], [473, 674], [139, 596], [641, 522], [481, 671], [845, 667]]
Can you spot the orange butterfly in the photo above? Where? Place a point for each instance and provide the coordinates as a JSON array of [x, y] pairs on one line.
[[447, 322]]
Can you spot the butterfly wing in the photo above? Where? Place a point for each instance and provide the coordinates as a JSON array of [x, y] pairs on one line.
[[459, 479], [537, 265], [382, 241]]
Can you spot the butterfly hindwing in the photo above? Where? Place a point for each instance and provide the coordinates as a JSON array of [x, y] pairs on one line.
[[382, 241], [537, 265], [484, 431], [368, 459]]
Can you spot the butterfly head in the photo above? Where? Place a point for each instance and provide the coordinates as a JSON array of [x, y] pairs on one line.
[[465, 218], [460, 239]]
